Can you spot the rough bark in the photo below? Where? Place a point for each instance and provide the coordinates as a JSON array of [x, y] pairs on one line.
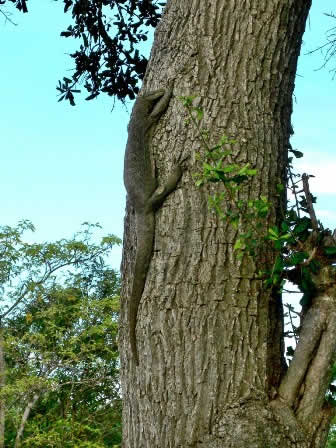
[[2, 385], [210, 337]]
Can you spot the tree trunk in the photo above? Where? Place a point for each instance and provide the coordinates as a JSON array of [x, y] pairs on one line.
[[24, 419], [2, 385], [209, 335]]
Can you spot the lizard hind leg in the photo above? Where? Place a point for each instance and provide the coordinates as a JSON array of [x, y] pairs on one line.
[[154, 95], [164, 190], [163, 96]]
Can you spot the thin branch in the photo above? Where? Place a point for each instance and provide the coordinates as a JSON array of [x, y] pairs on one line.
[[311, 257], [291, 292], [24, 419], [102, 30], [310, 207], [294, 192], [330, 45], [294, 331], [7, 18], [45, 277]]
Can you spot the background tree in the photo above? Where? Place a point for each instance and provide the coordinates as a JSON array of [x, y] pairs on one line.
[[62, 349], [59, 340]]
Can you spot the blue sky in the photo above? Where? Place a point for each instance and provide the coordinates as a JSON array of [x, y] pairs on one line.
[[62, 165]]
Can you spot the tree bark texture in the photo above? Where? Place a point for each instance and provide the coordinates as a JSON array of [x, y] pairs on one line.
[[209, 336]]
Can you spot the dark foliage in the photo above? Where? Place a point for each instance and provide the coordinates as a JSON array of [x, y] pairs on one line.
[[108, 59], [21, 5]]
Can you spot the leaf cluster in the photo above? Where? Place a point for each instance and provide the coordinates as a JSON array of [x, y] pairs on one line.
[[302, 245], [218, 167], [305, 251], [21, 5], [27, 268], [108, 59]]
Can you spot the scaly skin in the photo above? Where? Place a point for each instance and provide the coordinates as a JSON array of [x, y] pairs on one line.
[[141, 187]]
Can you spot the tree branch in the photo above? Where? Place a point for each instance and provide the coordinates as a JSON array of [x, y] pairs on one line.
[[7, 18], [24, 419], [309, 201]]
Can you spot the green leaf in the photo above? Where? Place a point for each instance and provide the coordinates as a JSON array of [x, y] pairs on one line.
[[213, 149], [286, 236], [206, 166], [278, 265], [223, 140], [243, 169], [303, 224], [66, 33], [239, 244], [278, 244], [284, 226], [187, 100], [251, 172], [230, 168], [273, 232], [330, 250], [297, 154], [234, 222], [199, 113], [290, 351], [297, 258]]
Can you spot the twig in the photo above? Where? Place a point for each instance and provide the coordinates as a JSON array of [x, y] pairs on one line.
[[309, 201], [294, 331], [294, 192], [7, 17], [291, 292]]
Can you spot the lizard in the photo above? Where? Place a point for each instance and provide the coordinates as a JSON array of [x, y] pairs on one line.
[[142, 191]]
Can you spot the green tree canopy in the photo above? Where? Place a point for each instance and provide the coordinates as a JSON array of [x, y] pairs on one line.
[[59, 324]]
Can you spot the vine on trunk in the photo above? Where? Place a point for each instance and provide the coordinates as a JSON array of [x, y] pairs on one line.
[[305, 250], [303, 245]]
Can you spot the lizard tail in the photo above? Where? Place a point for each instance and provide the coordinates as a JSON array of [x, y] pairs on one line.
[[144, 250], [132, 335]]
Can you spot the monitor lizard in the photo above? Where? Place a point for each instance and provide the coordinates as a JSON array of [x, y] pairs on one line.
[[143, 194]]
